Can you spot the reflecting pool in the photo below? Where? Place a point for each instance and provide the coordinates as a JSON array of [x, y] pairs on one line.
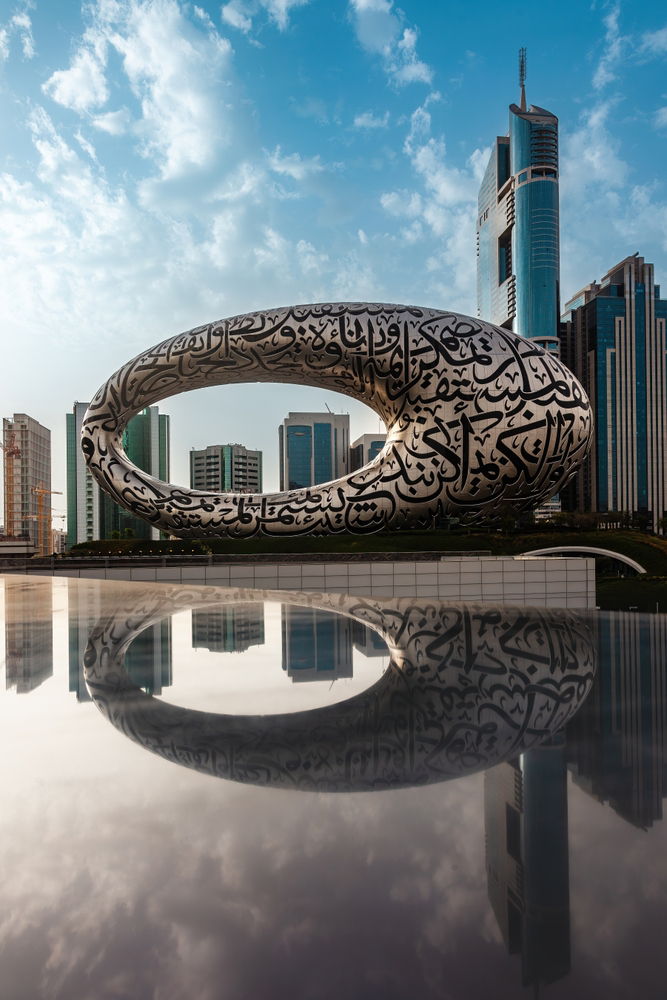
[[220, 793]]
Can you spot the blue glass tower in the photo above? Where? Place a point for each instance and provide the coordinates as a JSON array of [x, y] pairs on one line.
[[614, 339], [518, 240], [313, 449]]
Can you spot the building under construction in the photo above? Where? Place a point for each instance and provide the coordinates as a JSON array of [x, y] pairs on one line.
[[27, 470]]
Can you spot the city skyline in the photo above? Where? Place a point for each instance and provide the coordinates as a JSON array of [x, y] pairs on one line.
[[133, 209]]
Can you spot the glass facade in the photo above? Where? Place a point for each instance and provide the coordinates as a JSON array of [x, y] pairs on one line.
[[322, 453], [518, 242], [146, 443], [299, 454], [71, 480], [375, 449], [613, 339]]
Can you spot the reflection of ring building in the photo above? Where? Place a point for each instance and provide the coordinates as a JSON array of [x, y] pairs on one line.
[[229, 629], [148, 658], [368, 641], [28, 634], [317, 645]]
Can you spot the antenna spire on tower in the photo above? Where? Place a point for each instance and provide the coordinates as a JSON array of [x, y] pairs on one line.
[[522, 78]]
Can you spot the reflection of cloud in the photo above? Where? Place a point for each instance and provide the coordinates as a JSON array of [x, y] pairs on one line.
[[171, 891]]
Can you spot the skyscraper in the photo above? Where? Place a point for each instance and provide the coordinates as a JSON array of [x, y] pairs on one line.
[[317, 645], [226, 468], [28, 632], [617, 742], [613, 338], [527, 859], [365, 449], [518, 255], [233, 628], [27, 468], [91, 514], [314, 448]]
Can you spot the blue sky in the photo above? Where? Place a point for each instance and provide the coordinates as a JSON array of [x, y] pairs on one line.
[[165, 164]]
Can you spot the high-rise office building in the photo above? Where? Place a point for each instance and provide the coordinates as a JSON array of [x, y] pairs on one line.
[[314, 449], [613, 338], [365, 449], [27, 468], [617, 742], [226, 468], [518, 243], [527, 859], [91, 514], [233, 628], [317, 645], [28, 633]]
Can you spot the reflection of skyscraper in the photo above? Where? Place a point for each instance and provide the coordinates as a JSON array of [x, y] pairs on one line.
[[617, 742], [367, 640], [527, 861], [83, 610], [147, 661], [230, 629], [317, 645], [28, 634]]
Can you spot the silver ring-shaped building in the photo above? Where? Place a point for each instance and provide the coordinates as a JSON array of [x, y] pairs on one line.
[[477, 418]]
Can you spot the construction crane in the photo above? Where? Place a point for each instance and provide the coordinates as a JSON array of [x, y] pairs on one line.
[[44, 539], [11, 451]]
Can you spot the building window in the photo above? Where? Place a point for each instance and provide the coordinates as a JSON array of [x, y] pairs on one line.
[[504, 257], [523, 177], [322, 453], [299, 454]]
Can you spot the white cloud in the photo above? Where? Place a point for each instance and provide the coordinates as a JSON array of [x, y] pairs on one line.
[[22, 23], [239, 13], [177, 72], [445, 208], [367, 120], [660, 119], [312, 107], [654, 42], [278, 10], [379, 29], [293, 166], [83, 85], [404, 64], [310, 260], [613, 50], [86, 146], [590, 155], [235, 14], [113, 122], [402, 203]]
